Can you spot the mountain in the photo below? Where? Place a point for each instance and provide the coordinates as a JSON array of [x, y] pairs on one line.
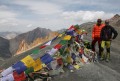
[[62, 30], [4, 48], [30, 39], [115, 21], [9, 35], [22, 42]]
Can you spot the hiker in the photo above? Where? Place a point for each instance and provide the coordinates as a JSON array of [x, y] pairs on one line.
[[106, 37], [96, 36]]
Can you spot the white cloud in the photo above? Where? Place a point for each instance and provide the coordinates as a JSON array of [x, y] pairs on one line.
[[6, 13], [2, 21], [29, 25], [40, 7], [14, 24], [86, 16]]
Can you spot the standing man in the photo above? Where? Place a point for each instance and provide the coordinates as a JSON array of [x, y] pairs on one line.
[[96, 35], [106, 37]]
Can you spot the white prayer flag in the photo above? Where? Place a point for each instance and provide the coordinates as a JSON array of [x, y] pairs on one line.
[[52, 51], [84, 58], [7, 71], [8, 78]]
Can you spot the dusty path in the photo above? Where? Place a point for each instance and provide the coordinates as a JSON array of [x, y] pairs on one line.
[[91, 72]]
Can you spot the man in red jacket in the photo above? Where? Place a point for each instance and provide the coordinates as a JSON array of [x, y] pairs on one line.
[[96, 35]]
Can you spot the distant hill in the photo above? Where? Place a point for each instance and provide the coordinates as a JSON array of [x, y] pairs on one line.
[[9, 35], [115, 21], [62, 30], [4, 48], [24, 41], [30, 39]]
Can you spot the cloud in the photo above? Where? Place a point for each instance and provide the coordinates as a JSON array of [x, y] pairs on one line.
[[6, 13], [29, 25], [7, 18], [3, 21], [86, 16], [40, 7], [25, 15]]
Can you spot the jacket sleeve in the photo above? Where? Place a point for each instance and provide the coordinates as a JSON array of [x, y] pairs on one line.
[[114, 32], [93, 32]]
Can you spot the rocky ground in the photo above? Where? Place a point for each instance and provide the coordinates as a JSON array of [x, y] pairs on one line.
[[91, 72]]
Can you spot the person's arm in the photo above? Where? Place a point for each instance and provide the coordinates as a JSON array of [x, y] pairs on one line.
[[93, 32], [114, 32]]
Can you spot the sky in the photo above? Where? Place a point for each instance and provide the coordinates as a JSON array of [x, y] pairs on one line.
[[25, 15]]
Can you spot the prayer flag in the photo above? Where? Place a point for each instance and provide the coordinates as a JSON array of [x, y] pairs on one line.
[[37, 65], [46, 58], [67, 37], [46, 44], [7, 71], [19, 67]]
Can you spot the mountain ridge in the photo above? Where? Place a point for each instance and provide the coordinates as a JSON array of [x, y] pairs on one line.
[[25, 41]]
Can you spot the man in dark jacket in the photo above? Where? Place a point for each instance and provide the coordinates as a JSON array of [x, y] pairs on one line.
[[106, 37]]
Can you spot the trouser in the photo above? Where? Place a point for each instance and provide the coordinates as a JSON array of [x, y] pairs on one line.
[[107, 44], [99, 45]]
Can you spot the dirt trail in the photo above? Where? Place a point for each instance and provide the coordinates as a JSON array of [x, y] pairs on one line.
[[91, 72]]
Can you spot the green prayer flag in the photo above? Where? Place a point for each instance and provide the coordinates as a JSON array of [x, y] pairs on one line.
[[76, 26], [35, 51], [29, 70], [63, 42], [62, 51]]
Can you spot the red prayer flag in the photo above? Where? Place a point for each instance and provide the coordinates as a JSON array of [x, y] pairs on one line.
[[46, 44], [58, 46], [81, 51], [60, 61], [19, 77], [42, 46], [72, 28]]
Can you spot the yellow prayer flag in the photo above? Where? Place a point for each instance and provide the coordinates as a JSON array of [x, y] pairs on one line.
[[60, 35], [76, 66], [67, 37], [37, 65], [69, 59], [79, 31], [28, 60]]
